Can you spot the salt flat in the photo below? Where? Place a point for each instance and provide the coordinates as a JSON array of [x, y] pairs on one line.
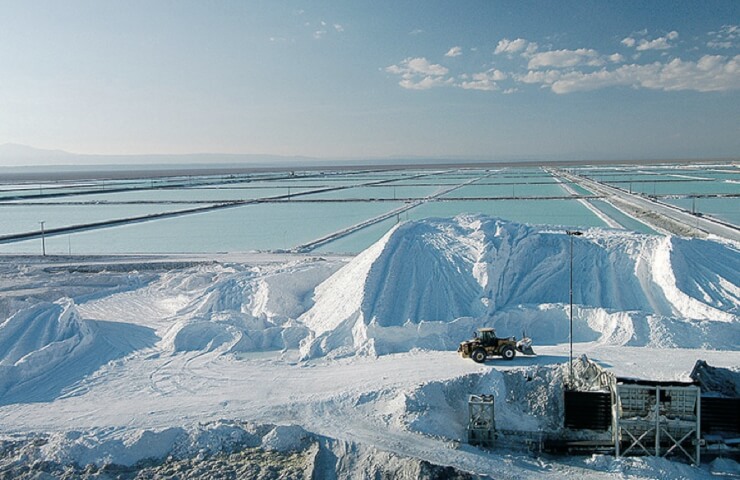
[[114, 359]]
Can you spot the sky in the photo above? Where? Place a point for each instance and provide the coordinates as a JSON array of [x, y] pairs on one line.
[[484, 80]]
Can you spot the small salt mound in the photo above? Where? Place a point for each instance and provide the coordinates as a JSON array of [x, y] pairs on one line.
[[245, 310], [717, 380], [126, 449], [286, 438], [129, 446], [45, 326], [48, 348], [202, 336], [230, 294], [285, 293], [411, 287], [34, 340]]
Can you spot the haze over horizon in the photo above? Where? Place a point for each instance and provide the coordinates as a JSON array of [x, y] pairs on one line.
[[496, 80]]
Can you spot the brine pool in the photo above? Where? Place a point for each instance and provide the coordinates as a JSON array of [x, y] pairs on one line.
[[349, 209]]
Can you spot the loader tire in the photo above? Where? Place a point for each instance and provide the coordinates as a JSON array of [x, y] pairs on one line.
[[508, 352], [478, 355]]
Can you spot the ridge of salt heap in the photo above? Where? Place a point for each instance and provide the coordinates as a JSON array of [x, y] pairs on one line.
[[429, 283]]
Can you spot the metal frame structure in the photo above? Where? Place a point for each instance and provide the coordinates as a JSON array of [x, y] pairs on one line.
[[657, 420], [481, 422]]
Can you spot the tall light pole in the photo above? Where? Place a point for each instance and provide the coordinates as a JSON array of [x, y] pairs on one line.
[[571, 234], [43, 239]]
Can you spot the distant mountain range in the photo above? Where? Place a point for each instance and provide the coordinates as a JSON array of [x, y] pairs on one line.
[[14, 150], [15, 155], [19, 157], [22, 156]]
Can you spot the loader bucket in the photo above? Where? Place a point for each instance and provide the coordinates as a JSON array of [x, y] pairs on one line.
[[525, 346]]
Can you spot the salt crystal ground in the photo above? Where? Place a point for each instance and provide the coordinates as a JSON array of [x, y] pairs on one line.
[[120, 359]]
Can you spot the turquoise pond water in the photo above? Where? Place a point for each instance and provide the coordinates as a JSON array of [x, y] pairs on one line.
[[726, 209], [212, 194], [244, 228], [356, 198], [19, 218]]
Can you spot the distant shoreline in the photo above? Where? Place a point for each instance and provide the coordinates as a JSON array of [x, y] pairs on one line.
[[70, 172]]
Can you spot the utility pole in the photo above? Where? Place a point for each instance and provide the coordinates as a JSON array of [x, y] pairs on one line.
[[43, 239], [571, 234]]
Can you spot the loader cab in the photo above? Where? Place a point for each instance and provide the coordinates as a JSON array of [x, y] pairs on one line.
[[487, 336]]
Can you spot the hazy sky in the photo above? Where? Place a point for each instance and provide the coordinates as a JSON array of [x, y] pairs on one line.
[[484, 79]]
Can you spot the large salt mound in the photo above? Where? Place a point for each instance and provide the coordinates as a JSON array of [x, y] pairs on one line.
[[427, 284]]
